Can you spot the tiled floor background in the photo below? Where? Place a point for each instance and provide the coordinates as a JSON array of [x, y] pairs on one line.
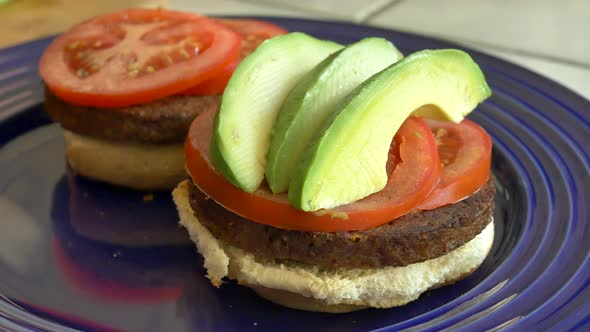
[[549, 37]]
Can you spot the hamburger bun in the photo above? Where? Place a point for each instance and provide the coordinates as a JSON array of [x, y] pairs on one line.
[[308, 287], [140, 166]]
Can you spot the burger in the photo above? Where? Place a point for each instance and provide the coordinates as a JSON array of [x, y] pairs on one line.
[[125, 87], [340, 237]]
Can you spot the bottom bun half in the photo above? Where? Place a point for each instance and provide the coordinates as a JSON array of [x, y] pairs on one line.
[[133, 165], [306, 287]]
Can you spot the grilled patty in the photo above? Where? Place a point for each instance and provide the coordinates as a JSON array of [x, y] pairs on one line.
[[164, 120], [413, 238]]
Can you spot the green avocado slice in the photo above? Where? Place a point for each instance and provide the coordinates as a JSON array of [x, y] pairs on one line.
[[251, 102], [315, 97], [347, 162]]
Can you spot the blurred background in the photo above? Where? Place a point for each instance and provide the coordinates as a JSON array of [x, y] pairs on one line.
[[546, 36]]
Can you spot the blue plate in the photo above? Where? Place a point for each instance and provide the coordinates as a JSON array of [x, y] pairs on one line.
[[83, 255]]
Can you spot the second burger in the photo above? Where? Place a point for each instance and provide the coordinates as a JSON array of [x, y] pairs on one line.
[[125, 87]]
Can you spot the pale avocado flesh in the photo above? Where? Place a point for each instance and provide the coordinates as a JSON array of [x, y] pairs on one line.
[[347, 162], [315, 97], [251, 101]]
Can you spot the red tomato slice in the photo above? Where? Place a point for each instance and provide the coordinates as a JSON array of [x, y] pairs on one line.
[[253, 33], [413, 178], [465, 151], [136, 56], [214, 85]]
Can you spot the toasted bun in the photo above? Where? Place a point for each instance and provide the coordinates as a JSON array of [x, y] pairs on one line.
[[307, 287], [133, 165]]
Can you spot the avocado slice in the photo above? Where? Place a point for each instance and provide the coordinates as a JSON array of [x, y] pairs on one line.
[[315, 97], [347, 162], [251, 102]]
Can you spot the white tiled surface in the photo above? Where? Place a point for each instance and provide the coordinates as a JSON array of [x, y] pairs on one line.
[[554, 28], [227, 7], [355, 11], [549, 37], [576, 78]]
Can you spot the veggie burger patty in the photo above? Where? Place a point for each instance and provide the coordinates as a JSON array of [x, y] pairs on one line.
[[161, 121], [413, 238]]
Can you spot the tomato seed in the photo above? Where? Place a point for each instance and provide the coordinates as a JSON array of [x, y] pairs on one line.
[[74, 45], [167, 59], [150, 69], [133, 66], [184, 53], [441, 132], [82, 73]]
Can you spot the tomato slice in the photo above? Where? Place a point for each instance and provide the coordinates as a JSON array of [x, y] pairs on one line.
[[136, 56], [253, 33], [214, 85], [465, 151], [412, 179]]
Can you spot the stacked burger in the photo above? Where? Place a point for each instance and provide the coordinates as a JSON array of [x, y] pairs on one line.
[[125, 86], [336, 178]]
